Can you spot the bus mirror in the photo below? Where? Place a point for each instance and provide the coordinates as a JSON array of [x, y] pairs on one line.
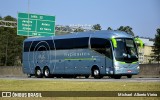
[[139, 41], [114, 42]]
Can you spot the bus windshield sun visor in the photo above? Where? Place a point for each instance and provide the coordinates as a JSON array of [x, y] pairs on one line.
[[114, 42]]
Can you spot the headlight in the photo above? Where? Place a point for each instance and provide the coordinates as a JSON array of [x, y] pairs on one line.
[[138, 67], [107, 69]]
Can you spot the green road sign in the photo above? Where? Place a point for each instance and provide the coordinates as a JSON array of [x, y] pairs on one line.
[[35, 25]]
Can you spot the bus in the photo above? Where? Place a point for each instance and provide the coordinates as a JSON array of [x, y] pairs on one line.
[[93, 53]]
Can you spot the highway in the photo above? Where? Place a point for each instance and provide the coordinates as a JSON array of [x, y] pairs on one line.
[[82, 79]]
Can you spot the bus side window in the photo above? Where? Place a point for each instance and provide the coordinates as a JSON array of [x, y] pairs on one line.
[[26, 46], [81, 42], [101, 46], [72, 43]]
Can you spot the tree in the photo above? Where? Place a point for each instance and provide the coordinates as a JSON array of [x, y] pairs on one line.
[[79, 29], [9, 18], [96, 27], [10, 45], [156, 44], [127, 29], [109, 28]]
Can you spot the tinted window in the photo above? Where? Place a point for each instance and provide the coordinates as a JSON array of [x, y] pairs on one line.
[[27, 46], [71, 43], [101, 46], [38, 45], [64, 44], [81, 43], [126, 50]]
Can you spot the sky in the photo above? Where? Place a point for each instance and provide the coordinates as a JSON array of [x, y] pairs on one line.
[[142, 15]]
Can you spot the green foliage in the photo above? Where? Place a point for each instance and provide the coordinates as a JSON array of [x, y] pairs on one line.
[[127, 29], [79, 29], [109, 28], [9, 18], [10, 45], [156, 49], [96, 27], [61, 33]]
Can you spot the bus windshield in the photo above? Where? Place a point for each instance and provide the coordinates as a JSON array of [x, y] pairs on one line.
[[126, 51]]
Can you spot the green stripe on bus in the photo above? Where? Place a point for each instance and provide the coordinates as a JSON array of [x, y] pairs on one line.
[[134, 62], [125, 62]]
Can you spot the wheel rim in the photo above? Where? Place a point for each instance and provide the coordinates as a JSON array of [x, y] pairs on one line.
[[38, 72], [46, 72], [96, 72]]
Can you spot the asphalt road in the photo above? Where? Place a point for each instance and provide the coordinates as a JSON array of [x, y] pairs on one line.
[[85, 80]]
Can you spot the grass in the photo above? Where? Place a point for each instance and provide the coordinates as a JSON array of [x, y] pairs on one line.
[[50, 85]]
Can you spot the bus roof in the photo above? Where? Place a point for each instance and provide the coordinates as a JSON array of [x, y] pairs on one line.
[[99, 34]]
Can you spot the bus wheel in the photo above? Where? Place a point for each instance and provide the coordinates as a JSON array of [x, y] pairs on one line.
[[96, 73], [87, 76], [129, 76], [117, 76], [38, 73], [47, 72]]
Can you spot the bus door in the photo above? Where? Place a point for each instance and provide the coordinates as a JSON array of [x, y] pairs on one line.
[[104, 49], [109, 60]]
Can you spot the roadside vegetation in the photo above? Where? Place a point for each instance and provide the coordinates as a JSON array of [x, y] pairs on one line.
[[51, 85]]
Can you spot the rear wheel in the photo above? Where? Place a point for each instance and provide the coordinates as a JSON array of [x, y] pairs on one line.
[[129, 76], [38, 73], [47, 73]]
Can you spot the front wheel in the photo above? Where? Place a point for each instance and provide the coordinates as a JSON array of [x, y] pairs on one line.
[[96, 74]]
